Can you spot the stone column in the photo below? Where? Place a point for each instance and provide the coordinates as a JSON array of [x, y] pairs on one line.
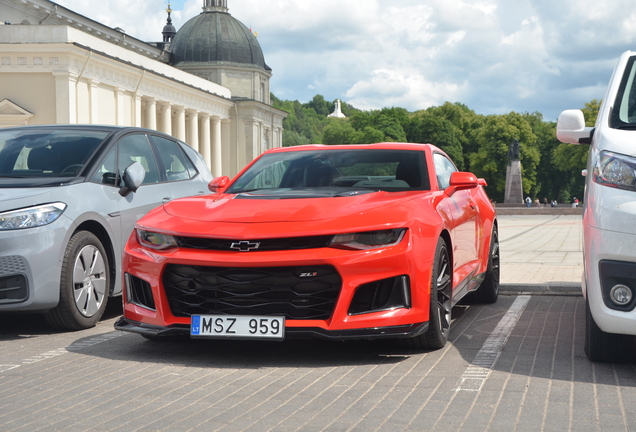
[[93, 96], [192, 134], [166, 118], [204, 139], [180, 123], [514, 189], [217, 153], [229, 161], [151, 113], [136, 109], [119, 107], [65, 98]]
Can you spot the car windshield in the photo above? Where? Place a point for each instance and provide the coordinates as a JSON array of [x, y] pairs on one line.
[[366, 169], [46, 153], [624, 110]]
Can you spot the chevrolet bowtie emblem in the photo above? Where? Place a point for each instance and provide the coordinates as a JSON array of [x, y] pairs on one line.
[[245, 246]]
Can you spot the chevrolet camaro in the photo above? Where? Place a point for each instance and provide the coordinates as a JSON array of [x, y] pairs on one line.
[[341, 242]]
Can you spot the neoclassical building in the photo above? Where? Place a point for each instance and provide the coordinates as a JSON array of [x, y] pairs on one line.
[[206, 84]]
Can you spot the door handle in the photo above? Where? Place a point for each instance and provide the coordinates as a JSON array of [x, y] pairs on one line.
[[166, 199]]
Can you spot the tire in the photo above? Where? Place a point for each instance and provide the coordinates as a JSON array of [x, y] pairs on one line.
[[84, 284], [488, 291], [606, 347], [440, 303]]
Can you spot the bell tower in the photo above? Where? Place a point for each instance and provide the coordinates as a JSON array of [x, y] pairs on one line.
[[215, 6]]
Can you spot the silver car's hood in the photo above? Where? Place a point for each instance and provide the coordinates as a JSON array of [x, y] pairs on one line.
[[16, 198]]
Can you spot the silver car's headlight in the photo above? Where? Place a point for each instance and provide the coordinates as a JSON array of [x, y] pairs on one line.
[[155, 240], [31, 217], [615, 170], [368, 240]]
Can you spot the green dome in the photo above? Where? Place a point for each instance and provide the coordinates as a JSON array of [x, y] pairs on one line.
[[215, 38]]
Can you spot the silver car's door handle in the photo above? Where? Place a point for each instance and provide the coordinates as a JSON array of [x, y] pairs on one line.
[[166, 199]]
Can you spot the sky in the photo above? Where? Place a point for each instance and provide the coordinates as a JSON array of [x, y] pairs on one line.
[[494, 56]]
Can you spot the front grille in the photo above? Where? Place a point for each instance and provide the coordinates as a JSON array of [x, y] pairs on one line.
[[12, 265], [300, 293], [292, 243]]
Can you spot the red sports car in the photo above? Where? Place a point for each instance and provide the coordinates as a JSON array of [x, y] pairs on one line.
[[343, 242]]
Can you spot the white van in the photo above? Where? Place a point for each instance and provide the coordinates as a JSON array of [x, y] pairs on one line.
[[609, 221]]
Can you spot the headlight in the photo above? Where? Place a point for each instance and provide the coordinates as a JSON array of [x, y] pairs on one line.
[[155, 240], [31, 217], [368, 240], [615, 170]]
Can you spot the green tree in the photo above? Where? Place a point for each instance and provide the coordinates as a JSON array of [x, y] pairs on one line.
[[340, 131], [426, 127], [494, 139]]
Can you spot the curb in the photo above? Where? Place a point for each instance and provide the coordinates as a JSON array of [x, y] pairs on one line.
[[564, 289]]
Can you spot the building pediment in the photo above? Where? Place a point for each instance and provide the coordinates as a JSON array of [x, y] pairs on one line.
[[12, 114]]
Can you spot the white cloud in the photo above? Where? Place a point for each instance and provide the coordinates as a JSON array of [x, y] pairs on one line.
[[492, 55]]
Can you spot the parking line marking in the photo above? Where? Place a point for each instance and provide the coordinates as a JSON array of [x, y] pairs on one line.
[[476, 374]]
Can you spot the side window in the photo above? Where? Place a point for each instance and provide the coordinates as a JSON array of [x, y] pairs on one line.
[[443, 169], [107, 171], [136, 148], [176, 164]]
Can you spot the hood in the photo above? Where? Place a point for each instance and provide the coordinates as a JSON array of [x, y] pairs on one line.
[[233, 208], [11, 199]]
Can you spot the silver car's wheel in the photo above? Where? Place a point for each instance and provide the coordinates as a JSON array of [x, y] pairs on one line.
[[84, 284], [89, 280]]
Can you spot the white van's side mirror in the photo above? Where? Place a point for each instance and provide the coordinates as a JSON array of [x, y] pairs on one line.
[[571, 128]]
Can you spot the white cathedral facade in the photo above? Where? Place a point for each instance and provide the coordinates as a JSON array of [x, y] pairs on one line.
[[206, 89]]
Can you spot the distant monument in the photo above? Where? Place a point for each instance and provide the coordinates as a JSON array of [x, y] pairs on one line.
[[514, 189], [337, 113]]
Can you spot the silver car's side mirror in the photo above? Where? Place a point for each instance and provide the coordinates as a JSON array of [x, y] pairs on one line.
[[133, 177], [571, 128]]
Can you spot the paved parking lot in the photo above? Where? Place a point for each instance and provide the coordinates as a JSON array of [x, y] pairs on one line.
[[515, 365]]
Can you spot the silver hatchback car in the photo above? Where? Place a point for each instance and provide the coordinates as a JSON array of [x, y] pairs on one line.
[[70, 196]]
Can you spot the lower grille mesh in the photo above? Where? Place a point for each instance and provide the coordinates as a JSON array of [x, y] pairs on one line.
[[301, 293]]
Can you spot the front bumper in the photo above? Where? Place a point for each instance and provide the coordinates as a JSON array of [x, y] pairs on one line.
[[30, 267], [404, 331], [356, 269], [608, 247]]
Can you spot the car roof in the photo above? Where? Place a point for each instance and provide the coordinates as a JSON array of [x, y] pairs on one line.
[[105, 128], [377, 146]]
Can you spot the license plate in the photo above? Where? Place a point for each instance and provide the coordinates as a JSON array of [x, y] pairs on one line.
[[238, 327]]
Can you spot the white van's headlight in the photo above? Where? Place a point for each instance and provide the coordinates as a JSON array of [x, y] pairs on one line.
[[615, 170], [31, 217]]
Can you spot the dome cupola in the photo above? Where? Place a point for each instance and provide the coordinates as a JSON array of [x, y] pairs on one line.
[[215, 38]]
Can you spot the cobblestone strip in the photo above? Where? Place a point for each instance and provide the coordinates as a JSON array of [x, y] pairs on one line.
[[476, 374], [469, 422], [433, 392], [519, 418], [548, 404]]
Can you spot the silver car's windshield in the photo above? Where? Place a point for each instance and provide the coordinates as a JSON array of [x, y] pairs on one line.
[[370, 169], [41, 153]]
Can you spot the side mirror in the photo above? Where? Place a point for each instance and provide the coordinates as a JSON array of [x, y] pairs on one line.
[[461, 180], [571, 128], [218, 184], [132, 177]]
